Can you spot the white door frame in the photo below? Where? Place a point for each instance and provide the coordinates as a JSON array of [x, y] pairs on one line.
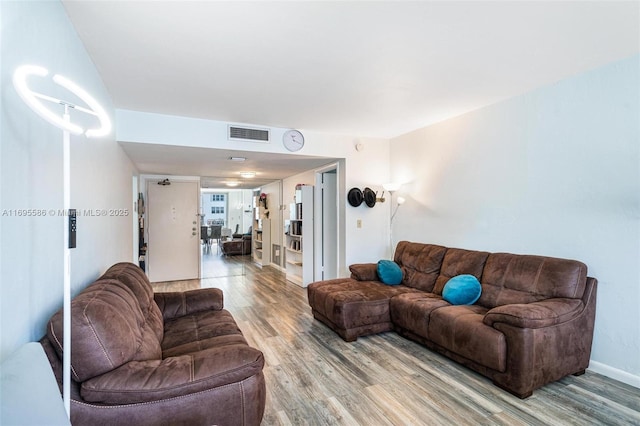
[[319, 225], [136, 224]]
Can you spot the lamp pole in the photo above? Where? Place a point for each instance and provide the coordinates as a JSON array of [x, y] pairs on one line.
[[391, 188], [66, 307]]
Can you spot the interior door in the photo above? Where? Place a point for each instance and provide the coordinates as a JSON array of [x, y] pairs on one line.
[[329, 225], [173, 249]]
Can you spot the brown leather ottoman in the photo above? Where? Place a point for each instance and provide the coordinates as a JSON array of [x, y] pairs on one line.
[[353, 308]]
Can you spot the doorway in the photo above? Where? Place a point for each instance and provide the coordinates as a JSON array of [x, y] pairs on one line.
[[327, 247], [225, 214]]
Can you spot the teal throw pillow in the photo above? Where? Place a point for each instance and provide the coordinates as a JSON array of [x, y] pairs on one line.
[[462, 290], [389, 272]]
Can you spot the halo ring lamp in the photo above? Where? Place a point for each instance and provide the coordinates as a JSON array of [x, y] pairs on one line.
[[34, 100]]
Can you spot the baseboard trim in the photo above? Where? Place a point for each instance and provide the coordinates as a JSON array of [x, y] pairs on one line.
[[277, 267], [614, 373]]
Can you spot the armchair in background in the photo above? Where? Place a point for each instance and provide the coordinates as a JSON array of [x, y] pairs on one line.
[[237, 246]]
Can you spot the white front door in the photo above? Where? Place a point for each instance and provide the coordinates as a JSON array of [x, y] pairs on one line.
[[173, 248]]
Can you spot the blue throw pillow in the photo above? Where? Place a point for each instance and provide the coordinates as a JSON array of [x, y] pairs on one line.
[[462, 290], [389, 272]]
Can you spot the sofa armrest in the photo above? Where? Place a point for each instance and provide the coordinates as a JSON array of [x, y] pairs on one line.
[[178, 304], [540, 314], [152, 380], [364, 271]]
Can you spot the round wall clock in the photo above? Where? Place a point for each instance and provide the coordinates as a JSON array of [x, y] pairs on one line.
[[293, 140]]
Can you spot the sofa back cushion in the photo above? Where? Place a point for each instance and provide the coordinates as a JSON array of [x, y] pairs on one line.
[[105, 330], [460, 262], [136, 280], [420, 264], [511, 278]]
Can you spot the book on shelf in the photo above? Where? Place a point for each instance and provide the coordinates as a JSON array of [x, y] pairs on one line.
[[296, 228], [294, 245]]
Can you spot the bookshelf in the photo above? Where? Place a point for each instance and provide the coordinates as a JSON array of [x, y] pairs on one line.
[[299, 238], [261, 238]]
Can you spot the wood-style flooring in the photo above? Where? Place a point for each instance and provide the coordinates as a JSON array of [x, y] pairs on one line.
[[315, 378]]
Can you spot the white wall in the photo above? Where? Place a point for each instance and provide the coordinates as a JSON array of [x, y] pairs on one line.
[[368, 167], [553, 172], [31, 175]]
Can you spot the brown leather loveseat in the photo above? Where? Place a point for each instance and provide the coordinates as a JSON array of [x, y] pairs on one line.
[[533, 323], [237, 246], [140, 358]]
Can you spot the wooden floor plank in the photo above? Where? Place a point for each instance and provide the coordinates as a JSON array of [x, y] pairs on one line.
[[315, 378]]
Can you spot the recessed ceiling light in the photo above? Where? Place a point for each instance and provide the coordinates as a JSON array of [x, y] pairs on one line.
[[248, 175], [232, 183], [238, 159]]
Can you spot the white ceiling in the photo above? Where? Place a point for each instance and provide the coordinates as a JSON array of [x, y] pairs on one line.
[[360, 68]]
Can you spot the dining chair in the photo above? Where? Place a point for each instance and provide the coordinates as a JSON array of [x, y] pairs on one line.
[[205, 237], [216, 233]]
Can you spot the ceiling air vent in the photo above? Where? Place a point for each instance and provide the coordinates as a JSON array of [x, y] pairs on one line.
[[251, 134]]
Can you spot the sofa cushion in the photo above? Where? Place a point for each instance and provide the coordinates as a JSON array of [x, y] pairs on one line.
[[389, 272], [420, 264], [178, 304], [412, 311], [136, 280], [203, 330], [511, 278], [462, 290], [460, 329], [147, 381], [107, 330], [457, 262]]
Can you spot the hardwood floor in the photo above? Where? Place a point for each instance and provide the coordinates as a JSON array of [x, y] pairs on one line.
[[315, 378]]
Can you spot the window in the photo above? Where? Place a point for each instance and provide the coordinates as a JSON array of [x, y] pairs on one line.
[[217, 197], [217, 210]]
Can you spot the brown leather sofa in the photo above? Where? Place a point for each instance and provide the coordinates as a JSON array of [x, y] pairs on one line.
[[532, 325], [140, 358], [241, 245]]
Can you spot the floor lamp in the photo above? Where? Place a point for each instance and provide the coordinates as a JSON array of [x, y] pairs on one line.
[[34, 101], [391, 188]]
